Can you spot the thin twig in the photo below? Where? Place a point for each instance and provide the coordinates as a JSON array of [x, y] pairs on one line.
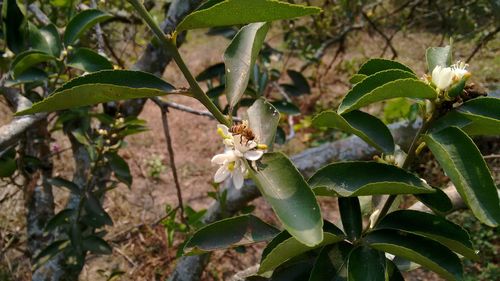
[[384, 36], [168, 139], [98, 31], [39, 15], [483, 42]]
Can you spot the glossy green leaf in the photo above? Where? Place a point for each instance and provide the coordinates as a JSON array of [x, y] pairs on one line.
[[284, 188], [28, 76], [231, 232], [120, 168], [323, 269], [286, 107], [484, 114], [236, 12], [36, 40], [88, 60], [292, 271], [98, 216], [263, 118], [373, 66], [437, 201], [211, 72], [240, 57], [71, 186], [356, 78], [340, 179], [463, 163], [428, 253], [50, 251], [433, 227], [283, 247], [27, 59], [14, 26], [369, 128], [299, 81], [384, 85], [96, 245], [478, 116], [8, 165], [438, 56], [60, 219], [51, 36], [102, 86], [393, 273], [350, 214], [366, 264], [82, 22]]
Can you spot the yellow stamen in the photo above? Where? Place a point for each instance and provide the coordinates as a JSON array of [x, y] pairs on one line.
[[262, 146], [230, 167], [221, 133]]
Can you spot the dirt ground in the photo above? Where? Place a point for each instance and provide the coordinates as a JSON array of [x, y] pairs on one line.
[[140, 248]]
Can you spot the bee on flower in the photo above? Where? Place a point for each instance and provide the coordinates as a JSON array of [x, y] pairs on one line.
[[240, 145]]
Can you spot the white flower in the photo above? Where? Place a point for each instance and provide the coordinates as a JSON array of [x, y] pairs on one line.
[[442, 77], [445, 77], [460, 70], [237, 150]]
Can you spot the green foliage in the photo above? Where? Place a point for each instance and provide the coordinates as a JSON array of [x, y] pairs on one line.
[[240, 57], [234, 12], [81, 23]]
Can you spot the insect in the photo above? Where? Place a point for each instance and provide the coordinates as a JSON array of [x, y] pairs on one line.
[[243, 130]]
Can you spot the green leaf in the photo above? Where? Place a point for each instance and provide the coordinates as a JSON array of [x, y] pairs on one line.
[[81, 22], [369, 128], [438, 56], [356, 78], [428, 253], [484, 114], [339, 179], [211, 72], [37, 40], [433, 227], [299, 81], [384, 85], [120, 168], [240, 57], [366, 264], [231, 232], [350, 214], [96, 245], [50, 251], [393, 272], [463, 163], [14, 26], [286, 107], [479, 116], [97, 215], [60, 219], [102, 86], [51, 36], [284, 188], [283, 247], [236, 12], [71, 186], [323, 269], [28, 76], [8, 165], [88, 60], [437, 201], [373, 66], [27, 59], [263, 119]]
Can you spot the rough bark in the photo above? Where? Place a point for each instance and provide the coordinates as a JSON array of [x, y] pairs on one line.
[[190, 268]]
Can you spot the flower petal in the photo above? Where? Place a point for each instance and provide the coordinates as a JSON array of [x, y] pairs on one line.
[[238, 178], [221, 174], [254, 155], [224, 129]]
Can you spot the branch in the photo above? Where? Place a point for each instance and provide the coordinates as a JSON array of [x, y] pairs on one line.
[[12, 132], [39, 15], [190, 268]]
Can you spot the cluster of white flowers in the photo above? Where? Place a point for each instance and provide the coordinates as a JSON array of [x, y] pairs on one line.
[[238, 149], [445, 77]]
